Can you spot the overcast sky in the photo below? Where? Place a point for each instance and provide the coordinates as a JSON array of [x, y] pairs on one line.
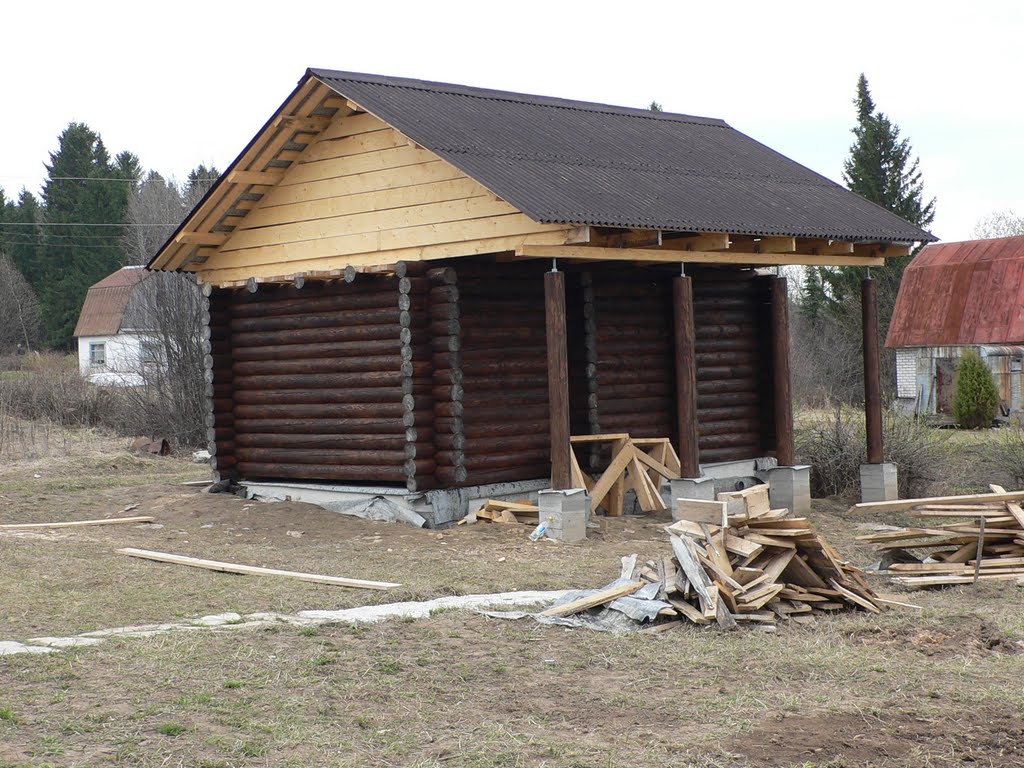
[[187, 82]]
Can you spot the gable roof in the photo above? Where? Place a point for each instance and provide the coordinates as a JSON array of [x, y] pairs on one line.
[[106, 301], [557, 164], [562, 161], [971, 292]]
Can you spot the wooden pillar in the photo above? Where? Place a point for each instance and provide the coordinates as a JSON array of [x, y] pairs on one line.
[[784, 451], [872, 374], [558, 379], [686, 376]]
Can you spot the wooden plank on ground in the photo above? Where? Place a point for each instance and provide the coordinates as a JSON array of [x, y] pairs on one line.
[[77, 523], [252, 570], [699, 510], [902, 505], [598, 598]]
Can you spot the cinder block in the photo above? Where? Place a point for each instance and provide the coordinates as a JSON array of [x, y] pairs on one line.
[[790, 488], [702, 488], [879, 482], [565, 513]]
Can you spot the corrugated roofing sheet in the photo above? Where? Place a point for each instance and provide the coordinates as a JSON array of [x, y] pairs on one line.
[[576, 162], [106, 301], [970, 292]]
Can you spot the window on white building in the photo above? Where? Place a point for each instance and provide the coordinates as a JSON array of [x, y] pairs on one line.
[[149, 352], [97, 353]]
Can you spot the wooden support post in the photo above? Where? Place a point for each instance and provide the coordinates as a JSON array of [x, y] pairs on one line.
[[872, 374], [558, 380], [686, 376], [784, 450]]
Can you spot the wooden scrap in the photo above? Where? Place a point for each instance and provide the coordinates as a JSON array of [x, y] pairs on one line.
[[252, 570], [77, 523], [598, 598]]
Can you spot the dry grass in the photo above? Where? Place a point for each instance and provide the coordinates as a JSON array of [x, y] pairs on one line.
[[930, 688]]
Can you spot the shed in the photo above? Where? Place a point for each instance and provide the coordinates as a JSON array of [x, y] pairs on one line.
[[955, 297], [431, 286], [113, 343]]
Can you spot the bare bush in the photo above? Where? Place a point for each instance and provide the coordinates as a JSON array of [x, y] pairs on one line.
[[1008, 452], [20, 321], [49, 388], [834, 444]]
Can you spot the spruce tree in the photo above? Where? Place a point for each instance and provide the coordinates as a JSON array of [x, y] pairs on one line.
[[976, 398], [85, 203], [21, 235]]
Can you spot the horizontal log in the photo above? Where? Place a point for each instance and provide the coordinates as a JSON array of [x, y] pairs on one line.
[[450, 392], [503, 429], [447, 310], [726, 399], [317, 335], [450, 442], [659, 405], [391, 395], [357, 380], [513, 336], [413, 285], [503, 444], [482, 414], [443, 294], [352, 442], [728, 413], [713, 455], [726, 359], [741, 344], [362, 348], [637, 347], [727, 385], [738, 439], [362, 473], [663, 387], [474, 398], [450, 477], [389, 316], [508, 368], [224, 462], [325, 411], [448, 425], [305, 306], [442, 276], [734, 330], [446, 327], [524, 381], [322, 426], [313, 456], [372, 364], [421, 483], [731, 427], [506, 460]]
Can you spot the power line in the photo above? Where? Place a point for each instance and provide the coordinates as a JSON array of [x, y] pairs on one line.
[[78, 224]]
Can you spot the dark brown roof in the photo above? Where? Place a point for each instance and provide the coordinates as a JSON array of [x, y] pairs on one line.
[[582, 163], [106, 301], [970, 292]]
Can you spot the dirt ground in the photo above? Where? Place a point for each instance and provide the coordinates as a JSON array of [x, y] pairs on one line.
[[938, 686]]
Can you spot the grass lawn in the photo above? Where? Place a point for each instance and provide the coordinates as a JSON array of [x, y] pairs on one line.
[[935, 687]]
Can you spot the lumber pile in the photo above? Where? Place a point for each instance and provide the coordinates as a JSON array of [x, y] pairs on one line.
[[760, 566], [756, 566], [508, 512], [960, 539]]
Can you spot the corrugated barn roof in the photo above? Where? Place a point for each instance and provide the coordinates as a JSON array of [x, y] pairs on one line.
[[106, 301], [970, 292], [582, 163]]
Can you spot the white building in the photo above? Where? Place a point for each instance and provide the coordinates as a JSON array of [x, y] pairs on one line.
[[113, 347]]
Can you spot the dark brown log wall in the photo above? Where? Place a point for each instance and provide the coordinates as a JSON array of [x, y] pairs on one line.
[[328, 382], [504, 371]]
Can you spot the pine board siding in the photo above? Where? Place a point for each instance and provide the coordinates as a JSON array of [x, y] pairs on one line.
[[363, 194]]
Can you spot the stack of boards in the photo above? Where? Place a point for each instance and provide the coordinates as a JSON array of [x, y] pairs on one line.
[[736, 559], [963, 539], [510, 512]]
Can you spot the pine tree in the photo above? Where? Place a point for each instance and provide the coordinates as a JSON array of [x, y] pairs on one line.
[[976, 398], [84, 207], [21, 238], [881, 168]]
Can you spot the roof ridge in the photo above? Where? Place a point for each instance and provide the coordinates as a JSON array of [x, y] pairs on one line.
[[555, 102]]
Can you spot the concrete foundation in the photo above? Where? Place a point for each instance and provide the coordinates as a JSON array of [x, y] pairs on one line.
[[566, 514], [431, 509], [790, 488], [878, 482], [692, 488]]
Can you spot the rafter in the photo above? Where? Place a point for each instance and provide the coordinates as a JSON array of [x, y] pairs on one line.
[[591, 253]]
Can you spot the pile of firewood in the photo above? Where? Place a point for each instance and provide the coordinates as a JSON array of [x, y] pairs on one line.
[[961, 539]]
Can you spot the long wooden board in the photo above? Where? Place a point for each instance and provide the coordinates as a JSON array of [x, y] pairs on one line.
[[591, 601], [253, 570], [902, 505], [77, 523]]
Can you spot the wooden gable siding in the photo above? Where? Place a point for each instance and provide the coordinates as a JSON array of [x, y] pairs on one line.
[[362, 195]]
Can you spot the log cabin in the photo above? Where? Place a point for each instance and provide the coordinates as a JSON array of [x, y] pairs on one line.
[[423, 289]]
